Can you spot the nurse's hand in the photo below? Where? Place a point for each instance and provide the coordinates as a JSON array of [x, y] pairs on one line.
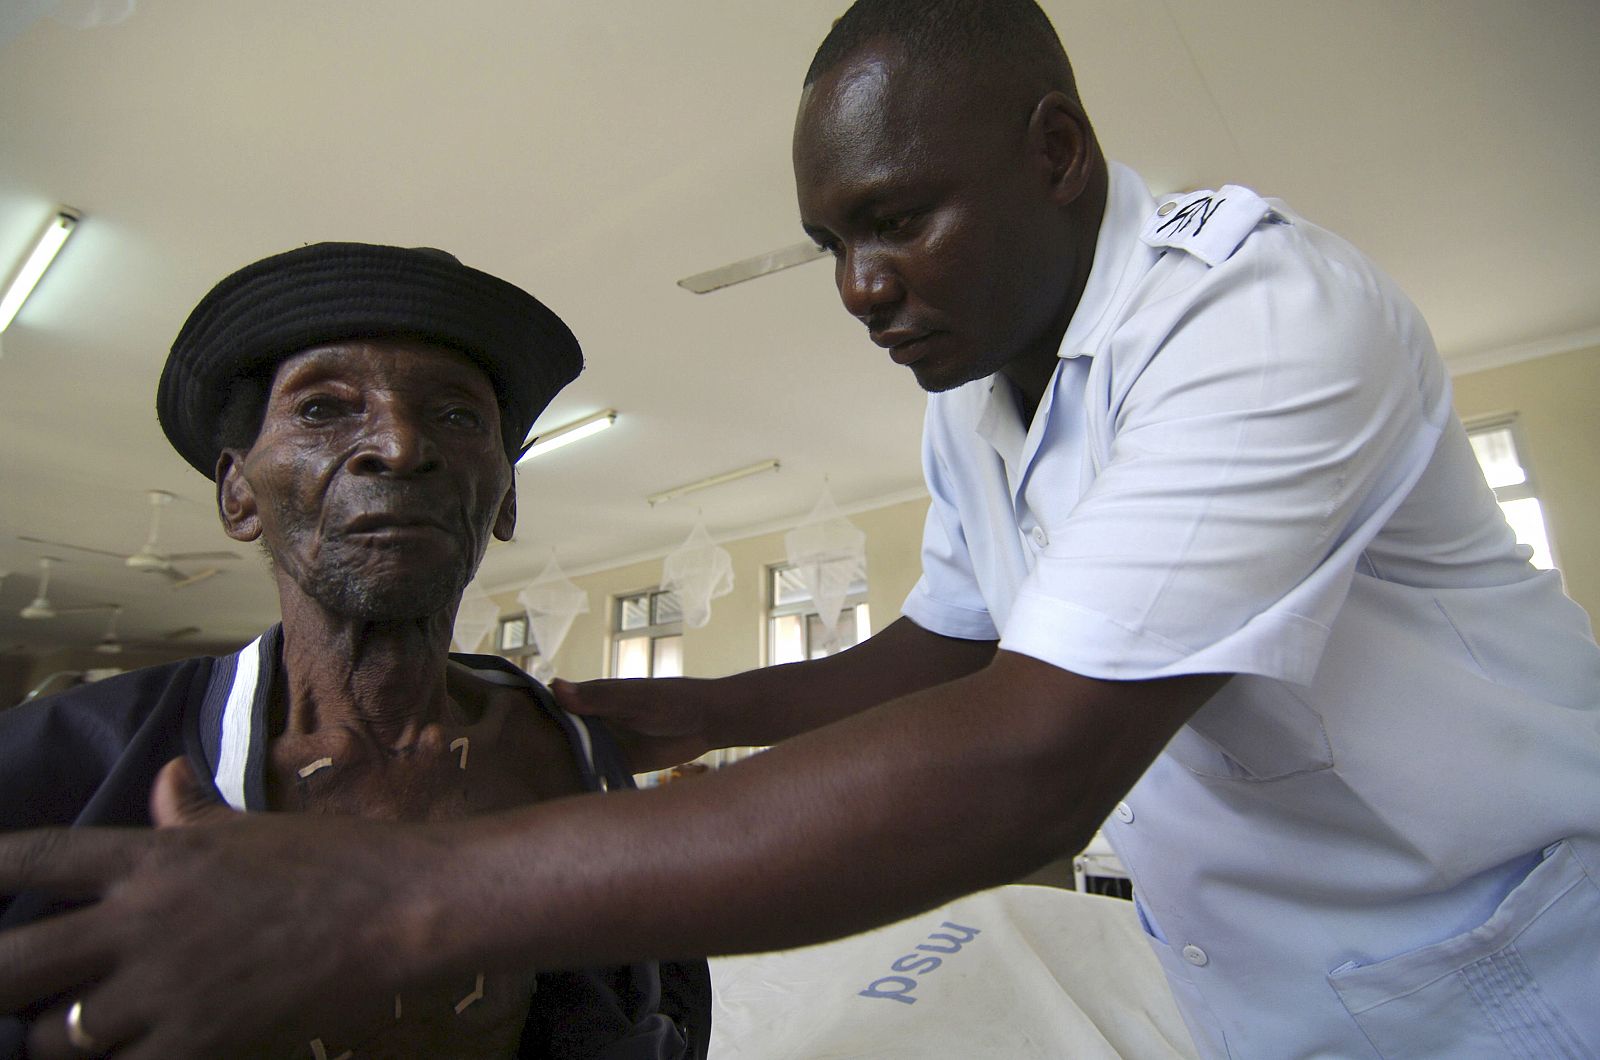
[[215, 935], [659, 723]]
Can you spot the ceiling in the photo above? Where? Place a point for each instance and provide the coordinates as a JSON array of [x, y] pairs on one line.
[[595, 153]]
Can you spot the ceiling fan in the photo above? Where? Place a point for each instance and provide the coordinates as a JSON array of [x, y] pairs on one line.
[[752, 268], [41, 607], [147, 558]]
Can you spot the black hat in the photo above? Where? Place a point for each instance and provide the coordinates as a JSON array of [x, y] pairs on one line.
[[328, 292]]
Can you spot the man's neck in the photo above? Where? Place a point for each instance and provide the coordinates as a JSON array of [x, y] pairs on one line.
[[385, 680], [1030, 372]]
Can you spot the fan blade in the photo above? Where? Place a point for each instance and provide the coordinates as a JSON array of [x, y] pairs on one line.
[[38, 610], [751, 268], [190, 557], [180, 633], [81, 609], [75, 548], [166, 572], [193, 579]]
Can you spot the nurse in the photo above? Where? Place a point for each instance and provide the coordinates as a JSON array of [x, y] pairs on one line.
[[1207, 554]]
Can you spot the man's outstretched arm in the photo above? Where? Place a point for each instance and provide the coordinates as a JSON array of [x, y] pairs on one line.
[[213, 937]]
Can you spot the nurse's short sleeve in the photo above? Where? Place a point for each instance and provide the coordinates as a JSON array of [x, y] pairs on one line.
[[1264, 417], [946, 599]]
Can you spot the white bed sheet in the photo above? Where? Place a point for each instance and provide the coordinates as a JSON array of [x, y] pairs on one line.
[[1017, 972]]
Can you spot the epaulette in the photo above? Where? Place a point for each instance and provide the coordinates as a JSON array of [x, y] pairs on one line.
[[1208, 224]]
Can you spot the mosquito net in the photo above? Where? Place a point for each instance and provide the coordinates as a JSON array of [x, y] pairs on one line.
[[828, 553], [474, 619], [552, 602], [699, 571]]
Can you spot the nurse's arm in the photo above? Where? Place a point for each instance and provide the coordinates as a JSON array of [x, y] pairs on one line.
[[666, 721], [964, 785]]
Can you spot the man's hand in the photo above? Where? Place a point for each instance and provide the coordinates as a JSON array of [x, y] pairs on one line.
[[658, 723], [161, 963]]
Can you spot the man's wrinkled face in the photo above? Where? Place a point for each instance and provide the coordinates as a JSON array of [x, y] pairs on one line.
[[377, 478], [936, 223]]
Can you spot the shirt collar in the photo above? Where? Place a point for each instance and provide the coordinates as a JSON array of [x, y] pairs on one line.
[[1117, 253], [233, 719]]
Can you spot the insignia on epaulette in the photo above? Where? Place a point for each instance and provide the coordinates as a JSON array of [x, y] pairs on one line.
[[1208, 224]]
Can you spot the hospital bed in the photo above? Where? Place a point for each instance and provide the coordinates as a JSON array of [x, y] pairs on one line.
[[1015, 973]]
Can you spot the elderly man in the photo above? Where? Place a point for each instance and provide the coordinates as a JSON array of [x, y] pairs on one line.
[[1203, 527], [360, 408]]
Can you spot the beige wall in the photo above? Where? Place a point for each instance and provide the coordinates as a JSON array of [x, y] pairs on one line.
[[732, 640], [14, 670], [20, 673], [1557, 404]]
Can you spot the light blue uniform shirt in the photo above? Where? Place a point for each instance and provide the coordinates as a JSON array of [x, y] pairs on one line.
[[1383, 837]]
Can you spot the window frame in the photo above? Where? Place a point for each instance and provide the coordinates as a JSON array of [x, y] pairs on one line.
[[1528, 488], [652, 631], [806, 608], [521, 650]]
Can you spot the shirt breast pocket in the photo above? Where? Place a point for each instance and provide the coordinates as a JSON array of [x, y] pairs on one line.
[[1253, 731], [1521, 985]]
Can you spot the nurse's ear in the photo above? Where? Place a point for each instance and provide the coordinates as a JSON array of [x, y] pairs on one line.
[[1060, 135], [236, 500]]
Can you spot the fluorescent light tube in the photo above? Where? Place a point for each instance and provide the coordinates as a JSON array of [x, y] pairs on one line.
[[715, 480], [44, 252], [567, 433]]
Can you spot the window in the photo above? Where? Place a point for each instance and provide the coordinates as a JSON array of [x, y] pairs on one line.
[[1494, 443], [794, 631], [513, 640], [647, 635]]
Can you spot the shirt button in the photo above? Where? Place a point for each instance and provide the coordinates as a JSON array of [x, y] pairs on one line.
[[1040, 538], [1195, 956], [1166, 208], [1124, 813]]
